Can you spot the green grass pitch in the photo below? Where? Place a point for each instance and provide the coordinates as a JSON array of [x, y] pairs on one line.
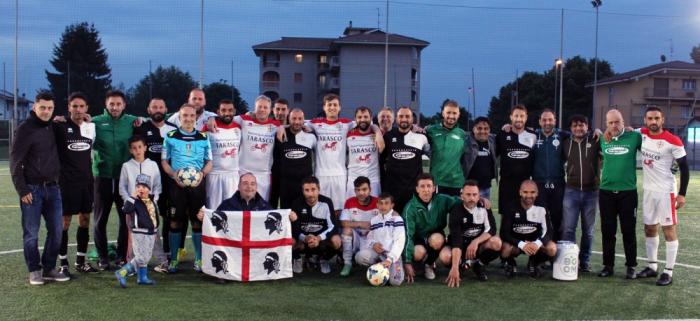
[[312, 296]]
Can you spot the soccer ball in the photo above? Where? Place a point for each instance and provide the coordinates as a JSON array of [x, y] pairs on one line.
[[188, 176], [377, 274]]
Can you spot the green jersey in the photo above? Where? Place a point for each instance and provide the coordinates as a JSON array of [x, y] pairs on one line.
[[619, 172], [111, 148], [447, 148], [421, 221]]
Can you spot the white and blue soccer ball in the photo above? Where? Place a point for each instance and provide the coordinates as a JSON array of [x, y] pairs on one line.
[[378, 275], [188, 176]]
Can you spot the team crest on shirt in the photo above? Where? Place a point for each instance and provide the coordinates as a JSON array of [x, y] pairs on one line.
[[70, 130], [149, 133], [659, 144], [517, 215]]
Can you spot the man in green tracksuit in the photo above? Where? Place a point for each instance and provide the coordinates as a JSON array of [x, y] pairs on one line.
[[425, 217], [448, 143], [110, 150]]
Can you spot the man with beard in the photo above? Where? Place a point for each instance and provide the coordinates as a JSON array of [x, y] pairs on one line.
[[363, 155], [354, 220], [401, 160], [515, 150], [293, 160], [199, 101], [280, 111], [479, 162], [385, 118], [447, 141], [526, 228], [225, 149], [154, 131]]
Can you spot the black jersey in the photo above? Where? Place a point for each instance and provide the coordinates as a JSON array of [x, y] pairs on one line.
[[532, 225], [466, 225], [516, 154], [74, 143], [154, 138], [316, 220], [293, 159], [402, 160]]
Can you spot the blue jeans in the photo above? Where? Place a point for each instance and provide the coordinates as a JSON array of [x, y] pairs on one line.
[[46, 202], [584, 204]]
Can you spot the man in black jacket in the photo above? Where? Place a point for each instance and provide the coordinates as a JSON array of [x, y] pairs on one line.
[[35, 168]]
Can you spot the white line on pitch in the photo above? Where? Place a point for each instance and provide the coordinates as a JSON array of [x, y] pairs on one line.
[[41, 248], [659, 261]]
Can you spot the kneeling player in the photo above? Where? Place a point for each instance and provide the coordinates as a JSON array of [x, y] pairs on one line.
[[526, 228], [385, 240], [472, 236], [314, 229], [354, 219]]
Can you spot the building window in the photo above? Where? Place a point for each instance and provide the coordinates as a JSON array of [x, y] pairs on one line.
[[297, 97], [298, 58], [322, 81], [694, 134], [298, 79], [689, 84], [322, 59], [611, 96], [413, 95]]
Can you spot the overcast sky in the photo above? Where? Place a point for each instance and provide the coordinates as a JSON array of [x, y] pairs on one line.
[[495, 37]]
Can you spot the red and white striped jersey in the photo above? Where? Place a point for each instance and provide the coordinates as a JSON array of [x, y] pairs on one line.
[[331, 145], [354, 211], [225, 147], [257, 142], [363, 156], [658, 153]]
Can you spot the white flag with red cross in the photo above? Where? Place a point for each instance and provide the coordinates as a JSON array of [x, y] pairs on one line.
[[247, 246]]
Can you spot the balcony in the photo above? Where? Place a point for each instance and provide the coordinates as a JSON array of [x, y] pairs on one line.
[[271, 64], [666, 93], [414, 83], [335, 62], [271, 84]]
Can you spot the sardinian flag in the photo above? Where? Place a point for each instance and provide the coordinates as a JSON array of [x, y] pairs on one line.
[[247, 246]]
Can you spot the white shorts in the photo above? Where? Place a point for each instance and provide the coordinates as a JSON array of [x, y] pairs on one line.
[[263, 180], [659, 208], [220, 187], [374, 185], [333, 187], [358, 241]]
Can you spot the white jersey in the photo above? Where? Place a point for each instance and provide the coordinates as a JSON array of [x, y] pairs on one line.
[[225, 147], [354, 211], [389, 230], [201, 120], [331, 147], [658, 154], [363, 156], [257, 142]]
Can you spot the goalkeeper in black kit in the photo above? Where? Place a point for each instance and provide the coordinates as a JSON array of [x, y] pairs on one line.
[[527, 228]]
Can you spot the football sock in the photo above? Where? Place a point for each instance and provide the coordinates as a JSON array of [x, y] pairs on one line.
[[197, 242], [175, 238], [347, 249], [183, 227], [82, 236], [652, 244], [671, 251], [63, 251], [487, 256]]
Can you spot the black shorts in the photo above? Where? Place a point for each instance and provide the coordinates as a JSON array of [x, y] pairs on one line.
[[186, 202], [77, 198]]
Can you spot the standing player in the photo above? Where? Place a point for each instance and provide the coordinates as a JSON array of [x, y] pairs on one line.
[[472, 236], [402, 159], [280, 111], [385, 118], [355, 218], [363, 155], [225, 149], [515, 150], [186, 147], [257, 143], [480, 160], [293, 159], [447, 141], [74, 140], [199, 101], [526, 228], [659, 149]]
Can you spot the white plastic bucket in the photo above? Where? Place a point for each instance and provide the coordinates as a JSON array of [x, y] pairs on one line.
[[565, 266]]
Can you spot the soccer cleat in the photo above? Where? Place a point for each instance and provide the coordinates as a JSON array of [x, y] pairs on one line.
[[197, 267], [181, 254], [478, 269], [510, 270], [35, 278], [172, 268], [143, 276], [104, 266], [429, 272], [161, 268], [647, 273], [532, 269], [630, 275], [664, 280], [325, 266], [298, 266], [65, 270], [607, 271], [53, 275], [346, 270], [86, 268]]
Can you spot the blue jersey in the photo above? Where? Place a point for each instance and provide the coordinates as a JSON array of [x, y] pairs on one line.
[[186, 149]]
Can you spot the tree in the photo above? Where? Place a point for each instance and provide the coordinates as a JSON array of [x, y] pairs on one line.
[[80, 63], [695, 54], [463, 122], [536, 91], [169, 83], [219, 90]]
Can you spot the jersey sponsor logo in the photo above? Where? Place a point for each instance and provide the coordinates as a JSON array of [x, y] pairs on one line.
[[260, 147], [651, 156], [229, 153], [403, 155], [649, 163], [309, 227], [453, 136], [524, 229], [617, 150], [472, 232], [295, 154], [79, 146], [366, 158], [158, 148], [518, 154], [330, 145]]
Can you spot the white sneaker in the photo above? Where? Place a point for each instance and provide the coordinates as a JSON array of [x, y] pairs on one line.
[[298, 266], [429, 272], [326, 267]]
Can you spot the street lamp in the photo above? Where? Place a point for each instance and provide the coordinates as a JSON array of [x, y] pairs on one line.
[[559, 69], [596, 4]]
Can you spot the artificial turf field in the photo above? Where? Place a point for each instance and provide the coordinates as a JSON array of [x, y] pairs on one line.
[[312, 296]]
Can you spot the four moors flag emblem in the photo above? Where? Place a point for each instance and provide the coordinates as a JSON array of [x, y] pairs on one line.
[[247, 246]]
